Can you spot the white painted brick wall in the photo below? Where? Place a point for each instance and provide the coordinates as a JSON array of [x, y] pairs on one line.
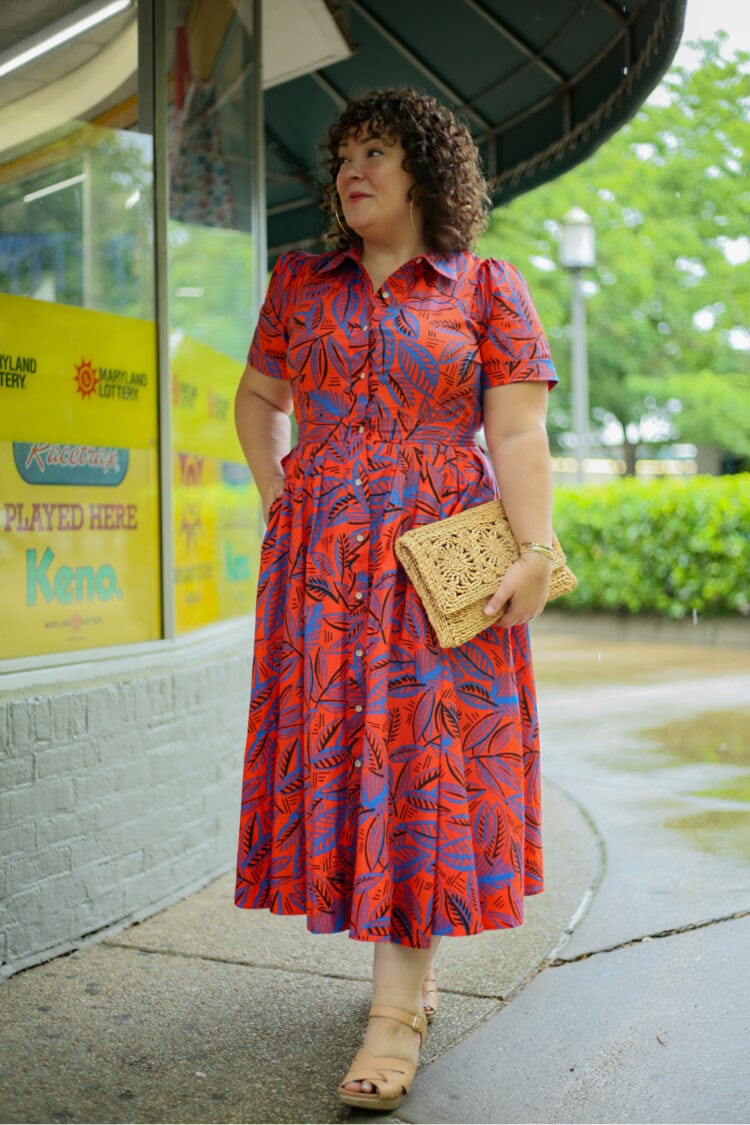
[[118, 794]]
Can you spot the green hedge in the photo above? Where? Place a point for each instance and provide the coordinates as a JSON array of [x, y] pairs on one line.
[[666, 546]]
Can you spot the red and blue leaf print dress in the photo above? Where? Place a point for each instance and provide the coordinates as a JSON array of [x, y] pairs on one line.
[[391, 787]]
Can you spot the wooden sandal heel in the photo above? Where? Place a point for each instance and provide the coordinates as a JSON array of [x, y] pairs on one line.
[[391, 1076]]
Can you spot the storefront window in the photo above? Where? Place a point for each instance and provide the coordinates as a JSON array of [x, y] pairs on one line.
[[217, 518], [79, 453]]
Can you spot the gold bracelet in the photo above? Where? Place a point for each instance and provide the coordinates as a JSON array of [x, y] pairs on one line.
[[537, 549]]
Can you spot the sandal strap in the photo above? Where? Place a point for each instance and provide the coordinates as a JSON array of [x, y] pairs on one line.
[[417, 1021], [391, 1077]]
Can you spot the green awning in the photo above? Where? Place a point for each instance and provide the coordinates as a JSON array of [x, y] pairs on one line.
[[541, 84]]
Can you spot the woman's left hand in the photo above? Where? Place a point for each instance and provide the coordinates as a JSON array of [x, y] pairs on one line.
[[523, 590]]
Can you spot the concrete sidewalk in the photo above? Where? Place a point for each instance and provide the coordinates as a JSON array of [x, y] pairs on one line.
[[207, 1013]]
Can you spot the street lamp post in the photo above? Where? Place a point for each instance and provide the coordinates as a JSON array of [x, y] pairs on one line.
[[577, 252]]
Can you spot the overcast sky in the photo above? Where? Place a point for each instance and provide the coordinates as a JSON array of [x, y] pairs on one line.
[[705, 17]]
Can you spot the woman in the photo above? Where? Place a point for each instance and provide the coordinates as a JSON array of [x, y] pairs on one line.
[[391, 786]]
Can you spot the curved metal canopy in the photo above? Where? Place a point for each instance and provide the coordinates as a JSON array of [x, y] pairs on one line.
[[541, 84]]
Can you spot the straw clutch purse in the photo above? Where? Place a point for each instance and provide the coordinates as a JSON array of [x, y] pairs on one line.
[[456, 564]]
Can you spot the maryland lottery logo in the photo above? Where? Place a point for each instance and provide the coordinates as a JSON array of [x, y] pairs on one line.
[[85, 378], [108, 382]]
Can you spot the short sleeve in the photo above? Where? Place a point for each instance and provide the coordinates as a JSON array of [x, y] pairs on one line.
[[271, 337], [512, 344]]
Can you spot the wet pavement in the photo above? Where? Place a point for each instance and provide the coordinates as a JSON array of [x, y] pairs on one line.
[[646, 1033], [644, 1015], [624, 997], [648, 757]]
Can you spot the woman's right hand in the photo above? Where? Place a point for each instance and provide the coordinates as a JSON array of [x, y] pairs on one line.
[[271, 489]]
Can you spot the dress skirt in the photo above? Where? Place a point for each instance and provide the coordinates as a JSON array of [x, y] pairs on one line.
[[391, 787]]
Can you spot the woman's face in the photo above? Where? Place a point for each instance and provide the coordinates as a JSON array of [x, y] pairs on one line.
[[373, 186]]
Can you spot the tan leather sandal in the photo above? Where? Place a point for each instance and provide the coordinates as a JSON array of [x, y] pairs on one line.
[[429, 994], [390, 1076]]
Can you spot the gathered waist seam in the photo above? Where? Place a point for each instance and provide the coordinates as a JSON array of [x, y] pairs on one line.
[[302, 443]]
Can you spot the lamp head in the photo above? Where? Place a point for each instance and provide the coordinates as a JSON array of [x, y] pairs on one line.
[[577, 248]]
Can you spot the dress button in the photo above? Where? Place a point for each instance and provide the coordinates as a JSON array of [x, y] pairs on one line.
[[360, 652], [359, 596], [361, 429], [358, 707], [358, 762], [360, 538], [363, 376], [358, 480]]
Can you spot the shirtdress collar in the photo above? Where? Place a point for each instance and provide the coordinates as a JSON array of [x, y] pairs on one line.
[[449, 265]]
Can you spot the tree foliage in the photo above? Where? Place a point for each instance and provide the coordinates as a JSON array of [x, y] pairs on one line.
[[668, 310], [709, 409]]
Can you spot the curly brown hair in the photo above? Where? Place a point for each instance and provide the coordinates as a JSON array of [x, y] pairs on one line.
[[441, 155]]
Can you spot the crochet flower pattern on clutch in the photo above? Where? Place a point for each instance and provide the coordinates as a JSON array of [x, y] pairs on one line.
[[457, 563]]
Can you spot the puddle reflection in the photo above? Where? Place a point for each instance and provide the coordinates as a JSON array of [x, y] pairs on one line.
[[713, 738]]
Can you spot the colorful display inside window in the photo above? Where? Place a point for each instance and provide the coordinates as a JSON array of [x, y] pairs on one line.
[[218, 522], [79, 473]]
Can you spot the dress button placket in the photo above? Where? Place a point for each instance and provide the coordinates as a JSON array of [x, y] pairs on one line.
[[361, 402]]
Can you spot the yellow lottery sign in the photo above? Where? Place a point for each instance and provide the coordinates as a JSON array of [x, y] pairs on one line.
[[217, 519], [79, 512], [76, 376]]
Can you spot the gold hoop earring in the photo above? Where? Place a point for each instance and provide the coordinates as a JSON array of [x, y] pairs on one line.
[[338, 219], [411, 217]]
